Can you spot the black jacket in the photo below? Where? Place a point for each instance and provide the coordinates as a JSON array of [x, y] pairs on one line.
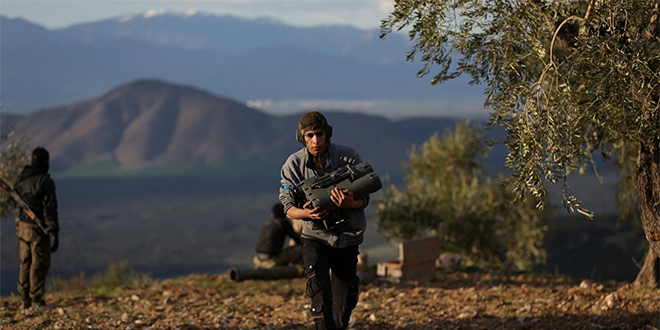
[[273, 234], [37, 188]]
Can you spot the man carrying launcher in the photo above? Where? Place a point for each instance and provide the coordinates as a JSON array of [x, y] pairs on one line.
[[329, 256]]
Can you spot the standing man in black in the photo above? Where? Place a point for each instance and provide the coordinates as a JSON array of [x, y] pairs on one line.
[[329, 256], [36, 241]]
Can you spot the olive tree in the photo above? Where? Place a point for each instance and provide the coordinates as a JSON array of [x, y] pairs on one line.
[[14, 152], [566, 79], [448, 194]]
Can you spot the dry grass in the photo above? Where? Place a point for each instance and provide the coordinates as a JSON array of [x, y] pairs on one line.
[[453, 301]]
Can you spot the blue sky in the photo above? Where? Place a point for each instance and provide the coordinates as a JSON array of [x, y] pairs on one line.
[[54, 14]]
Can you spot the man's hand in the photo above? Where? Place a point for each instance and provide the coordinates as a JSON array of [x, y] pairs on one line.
[[345, 199], [306, 212], [315, 213], [54, 241]]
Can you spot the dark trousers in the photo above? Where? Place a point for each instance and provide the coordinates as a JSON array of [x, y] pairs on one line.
[[332, 283]]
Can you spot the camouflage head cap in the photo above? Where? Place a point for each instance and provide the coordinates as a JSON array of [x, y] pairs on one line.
[[312, 120]]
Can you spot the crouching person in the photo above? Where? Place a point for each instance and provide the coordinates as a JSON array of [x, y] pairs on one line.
[[269, 251]]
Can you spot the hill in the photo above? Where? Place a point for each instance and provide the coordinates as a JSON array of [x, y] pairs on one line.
[[148, 124], [453, 301]]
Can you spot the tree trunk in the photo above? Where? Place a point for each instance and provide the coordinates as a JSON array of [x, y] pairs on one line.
[[649, 275], [648, 195], [648, 166]]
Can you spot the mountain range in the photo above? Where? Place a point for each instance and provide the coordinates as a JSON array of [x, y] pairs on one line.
[[150, 124], [246, 60]]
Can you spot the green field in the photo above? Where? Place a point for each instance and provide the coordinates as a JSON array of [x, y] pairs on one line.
[[245, 168]]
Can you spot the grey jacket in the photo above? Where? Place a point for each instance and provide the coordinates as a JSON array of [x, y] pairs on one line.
[[300, 166]]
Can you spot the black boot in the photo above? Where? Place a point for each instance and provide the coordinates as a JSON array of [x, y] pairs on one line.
[[39, 302], [322, 325], [27, 303]]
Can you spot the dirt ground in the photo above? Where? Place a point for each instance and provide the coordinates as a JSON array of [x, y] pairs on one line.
[[453, 301]]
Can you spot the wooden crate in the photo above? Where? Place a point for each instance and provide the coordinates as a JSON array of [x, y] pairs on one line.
[[416, 261]]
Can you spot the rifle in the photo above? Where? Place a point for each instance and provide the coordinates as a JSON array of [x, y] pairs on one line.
[[24, 206]]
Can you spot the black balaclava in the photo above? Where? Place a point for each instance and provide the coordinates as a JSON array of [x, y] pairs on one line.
[[40, 159]]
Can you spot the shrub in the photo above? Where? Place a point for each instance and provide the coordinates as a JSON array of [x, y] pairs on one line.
[[118, 274]]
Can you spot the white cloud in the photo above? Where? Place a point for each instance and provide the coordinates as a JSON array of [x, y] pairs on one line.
[[154, 12], [386, 6]]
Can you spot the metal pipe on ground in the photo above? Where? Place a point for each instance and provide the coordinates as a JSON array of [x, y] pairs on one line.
[[275, 273]]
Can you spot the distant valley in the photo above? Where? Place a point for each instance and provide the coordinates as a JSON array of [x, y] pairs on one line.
[[177, 180]]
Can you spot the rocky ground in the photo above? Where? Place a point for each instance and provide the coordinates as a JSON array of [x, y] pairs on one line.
[[453, 301]]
